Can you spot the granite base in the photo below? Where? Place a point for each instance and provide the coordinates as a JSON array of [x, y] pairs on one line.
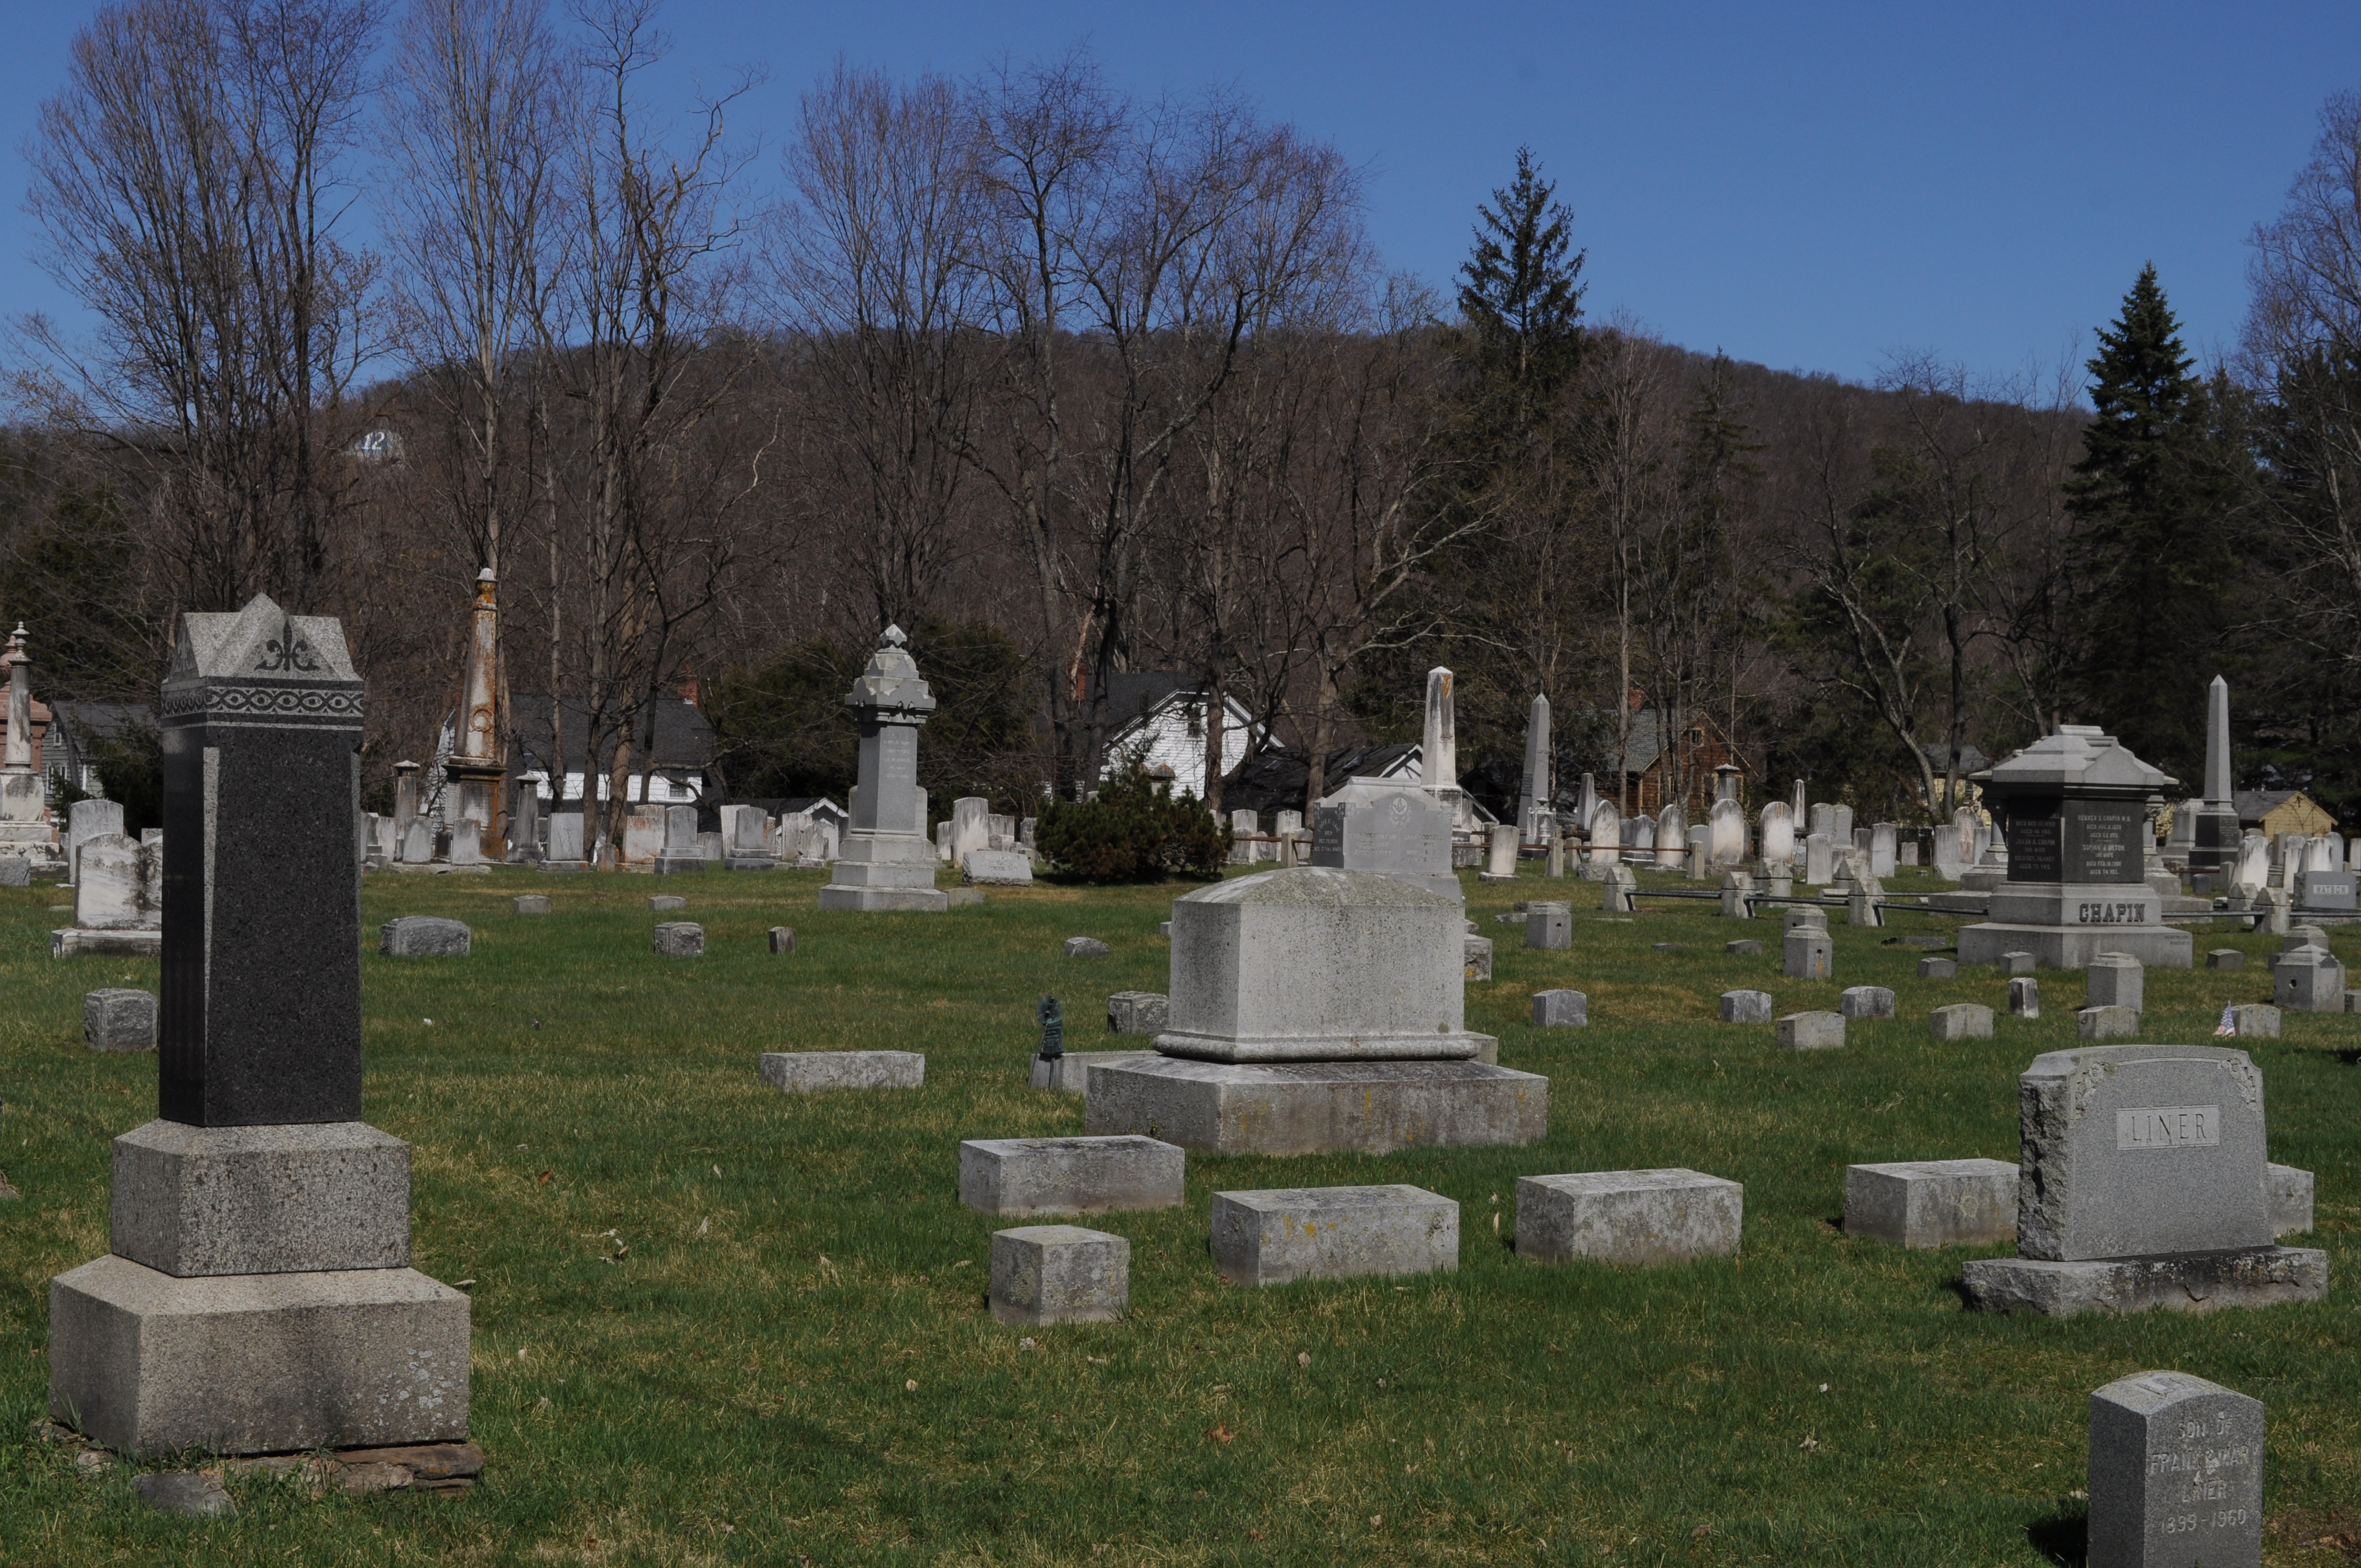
[[77, 943], [2073, 947], [874, 900], [1319, 1107], [2194, 1282], [257, 1363]]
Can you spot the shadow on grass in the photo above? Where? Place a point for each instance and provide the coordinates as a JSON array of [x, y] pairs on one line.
[[2061, 1538]]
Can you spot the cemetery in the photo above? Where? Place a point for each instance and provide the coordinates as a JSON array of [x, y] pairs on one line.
[[1271, 1222]]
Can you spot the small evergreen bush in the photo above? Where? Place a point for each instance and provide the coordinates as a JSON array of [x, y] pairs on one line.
[[1137, 830]]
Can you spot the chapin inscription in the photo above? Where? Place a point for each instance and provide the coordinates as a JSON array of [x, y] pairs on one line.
[[2131, 913], [2169, 1128]]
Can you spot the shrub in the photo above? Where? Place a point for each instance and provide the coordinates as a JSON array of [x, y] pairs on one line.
[[1135, 830]]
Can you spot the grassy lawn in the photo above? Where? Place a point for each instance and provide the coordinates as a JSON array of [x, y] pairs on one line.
[[714, 1323]]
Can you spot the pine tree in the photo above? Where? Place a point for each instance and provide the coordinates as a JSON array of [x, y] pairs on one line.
[[2152, 548], [1520, 298]]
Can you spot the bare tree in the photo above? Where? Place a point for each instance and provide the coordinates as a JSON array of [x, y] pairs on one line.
[[190, 180], [876, 277]]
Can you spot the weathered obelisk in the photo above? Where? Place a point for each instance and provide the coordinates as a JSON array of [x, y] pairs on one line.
[[2215, 847], [1537, 821], [476, 767], [888, 862], [1438, 760], [258, 1297], [25, 825]]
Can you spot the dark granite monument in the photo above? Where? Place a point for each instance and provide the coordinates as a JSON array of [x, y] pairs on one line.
[[258, 1297]]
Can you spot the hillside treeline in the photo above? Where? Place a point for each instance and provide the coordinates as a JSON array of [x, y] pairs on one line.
[[1069, 384]]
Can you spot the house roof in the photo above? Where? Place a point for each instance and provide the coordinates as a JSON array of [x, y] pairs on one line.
[[1647, 745], [1149, 702], [1972, 759], [1276, 780], [2253, 804], [683, 737]]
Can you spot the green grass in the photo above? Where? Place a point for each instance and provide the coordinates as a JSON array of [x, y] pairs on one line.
[[737, 1386]]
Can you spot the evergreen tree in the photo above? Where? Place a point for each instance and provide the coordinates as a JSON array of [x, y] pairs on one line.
[[2152, 551], [1520, 300]]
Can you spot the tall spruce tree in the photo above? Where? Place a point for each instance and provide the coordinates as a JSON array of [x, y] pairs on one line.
[[2152, 550], [1521, 303]]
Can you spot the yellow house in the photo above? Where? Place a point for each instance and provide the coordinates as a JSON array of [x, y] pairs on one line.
[[2277, 811]]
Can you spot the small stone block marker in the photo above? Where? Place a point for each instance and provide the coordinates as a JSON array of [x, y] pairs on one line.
[[1807, 953], [1745, 947], [996, 868], [1668, 947], [1561, 1010], [2309, 980], [664, 901], [2290, 1193], [531, 904], [1281, 1234], [1627, 1216], [1475, 956], [1866, 1002], [1550, 926], [2025, 997], [783, 939], [119, 1020], [1746, 1007], [1085, 948], [2116, 979], [2176, 1475], [423, 937], [680, 939], [1138, 1013], [1059, 1273], [1938, 968], [1932, 1202], [804, 1072], [2016, 963], [2225, 957], [1811, 1031], [1070, 1073], [1961, 1021], [2106, 1023], [1069, 1176], [2255, 1020]]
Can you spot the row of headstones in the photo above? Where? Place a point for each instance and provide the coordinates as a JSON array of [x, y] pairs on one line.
[[2313, 872], [749, 837], [974, 828], [1289, 842]]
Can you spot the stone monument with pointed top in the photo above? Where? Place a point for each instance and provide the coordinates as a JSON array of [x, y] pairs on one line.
[[888, 861], [1538, 822], [258, 1297], [2215, 840], [476, 769], [25, 829]]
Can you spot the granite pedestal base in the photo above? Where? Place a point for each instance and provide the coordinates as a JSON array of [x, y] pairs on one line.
[[257, 1363], [1318, 1107], [74, 942], [873, 900], [2193, 1282], [2065, 926]]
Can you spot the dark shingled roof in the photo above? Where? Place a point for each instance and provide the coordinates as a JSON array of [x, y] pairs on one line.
[[682, 737]]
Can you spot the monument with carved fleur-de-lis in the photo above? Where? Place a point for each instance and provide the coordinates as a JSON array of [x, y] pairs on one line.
[[258, 1298], [888, 862]]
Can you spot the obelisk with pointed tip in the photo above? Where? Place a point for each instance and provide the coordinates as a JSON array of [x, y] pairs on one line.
[[258, 1298], [1438, 759], [887, 863], [476, 767], [2216, 843], [1535, 815]]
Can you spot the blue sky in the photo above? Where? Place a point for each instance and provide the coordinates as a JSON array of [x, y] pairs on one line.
[[1811, 187]]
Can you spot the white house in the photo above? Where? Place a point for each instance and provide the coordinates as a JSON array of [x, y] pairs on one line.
[[1160, 718]]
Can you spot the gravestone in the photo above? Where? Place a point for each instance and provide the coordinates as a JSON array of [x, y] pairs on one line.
[[1819, 861], [259, 1299], [2106, 1024], [2076, 806], [1501, 852], [970, 826], [1620, 896], [119, 899], [2143, 1187], [1778, 829], [1961, 1021], [1672, 838], [1276, 1235], [996, 868], [810, 1073], [1824, 819], [16, 871], [1069, 1176], [85, 820], [1642, 1217], [565, 837], [683, 847], [1932, 1203], [2308, 979], [1746, 1007], [1807, 953], [530, 904], [1085, 948], [1391, 828], [1549, 927], [1726, 828], [2176, 1475], [1882, 838], [680, 939], [2327, 889], [1811, 1032], [418, 845], [1606, 840], [886, 862], [1840, 824], [1330, 1001], [1561, 1010], [524, 824], [1866, 1002], [783, 939], [467, 844], [1536, 822], [1700, 856], [116, 1019], [2025, 997], [1059, 1273], [423, 937], [644, 834], [2116, 979]]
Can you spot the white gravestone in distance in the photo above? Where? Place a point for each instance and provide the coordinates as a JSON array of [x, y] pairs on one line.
[[1778, 829], [1726, 847], [1672, 838]]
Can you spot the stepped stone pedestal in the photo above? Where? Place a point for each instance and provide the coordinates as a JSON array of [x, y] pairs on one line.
[[258, 1298], [1315, 1009], [888, 862]]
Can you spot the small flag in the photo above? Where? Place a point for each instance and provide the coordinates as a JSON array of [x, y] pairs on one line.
[[2229, 1023]]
